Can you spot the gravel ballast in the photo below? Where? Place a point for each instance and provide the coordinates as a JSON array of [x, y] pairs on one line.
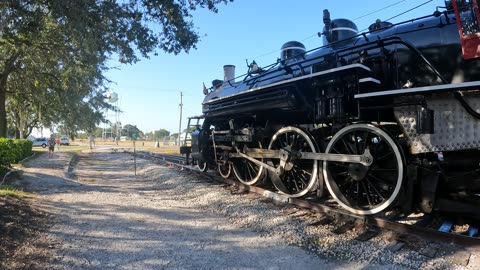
[[108, 218]]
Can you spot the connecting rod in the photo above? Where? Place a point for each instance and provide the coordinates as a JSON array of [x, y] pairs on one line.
[[251, 154]]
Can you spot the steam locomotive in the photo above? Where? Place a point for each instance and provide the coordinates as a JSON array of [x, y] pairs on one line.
[[388, 118]]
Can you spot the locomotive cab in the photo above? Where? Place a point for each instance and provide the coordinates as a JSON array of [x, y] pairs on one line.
[[468, 22]]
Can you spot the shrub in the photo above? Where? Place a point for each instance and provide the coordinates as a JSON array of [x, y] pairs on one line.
[[24, 149], [12, 151]]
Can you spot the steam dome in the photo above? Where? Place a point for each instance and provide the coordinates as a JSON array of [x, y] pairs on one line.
[[292, 50]]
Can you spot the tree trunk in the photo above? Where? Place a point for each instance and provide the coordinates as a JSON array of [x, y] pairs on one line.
[[3, 99], [8, 68]]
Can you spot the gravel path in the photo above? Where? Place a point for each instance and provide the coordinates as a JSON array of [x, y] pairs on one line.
[[108, 218]]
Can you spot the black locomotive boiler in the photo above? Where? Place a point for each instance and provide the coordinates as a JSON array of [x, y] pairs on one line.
[[389, 118]]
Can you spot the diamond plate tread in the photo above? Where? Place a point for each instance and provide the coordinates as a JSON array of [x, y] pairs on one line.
[[455, 128]]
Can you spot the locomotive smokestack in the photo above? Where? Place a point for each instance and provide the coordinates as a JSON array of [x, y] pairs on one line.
[[326, 17], [229, 73], [328, 24]]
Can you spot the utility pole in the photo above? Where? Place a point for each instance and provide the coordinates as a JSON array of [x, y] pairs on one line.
[[180, 125]]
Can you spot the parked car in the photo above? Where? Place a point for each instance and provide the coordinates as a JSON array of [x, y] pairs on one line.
[[64, 141], [40, 142]]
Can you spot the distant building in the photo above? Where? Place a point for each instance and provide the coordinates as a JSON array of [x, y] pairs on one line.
[[41, 132]]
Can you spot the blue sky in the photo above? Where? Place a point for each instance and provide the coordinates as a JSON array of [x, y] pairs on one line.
[[149, 90]]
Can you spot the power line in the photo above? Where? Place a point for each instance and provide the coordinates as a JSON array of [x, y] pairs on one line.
[[424, 3], [144, 88], [373, 12], [265, 54], [363, 16], [309, 37]]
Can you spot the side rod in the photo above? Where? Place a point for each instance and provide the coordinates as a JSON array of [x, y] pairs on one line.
[[252, 153]]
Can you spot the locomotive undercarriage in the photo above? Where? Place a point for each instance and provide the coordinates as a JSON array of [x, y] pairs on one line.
[[369, 157], [371, 153], [366, 155]]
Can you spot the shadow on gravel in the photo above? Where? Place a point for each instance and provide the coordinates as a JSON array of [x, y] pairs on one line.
[[47, 184], [112, 234], [20, 222]]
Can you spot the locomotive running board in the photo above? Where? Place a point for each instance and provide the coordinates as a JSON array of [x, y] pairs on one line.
[[435, 88], [252, 153]]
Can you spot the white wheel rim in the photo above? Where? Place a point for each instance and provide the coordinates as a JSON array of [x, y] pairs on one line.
[[202, 166], [229, 171], [313, 178], [254, 180], [398, 155]]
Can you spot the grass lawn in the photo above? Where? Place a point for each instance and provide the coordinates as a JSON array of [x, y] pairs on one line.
[[6, 190]]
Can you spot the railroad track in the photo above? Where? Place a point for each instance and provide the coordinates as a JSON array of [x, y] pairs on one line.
[[427, 227]]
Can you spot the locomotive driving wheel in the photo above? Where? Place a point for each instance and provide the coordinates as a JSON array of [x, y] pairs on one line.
[[364, 189], [295, 177], [246, 171]]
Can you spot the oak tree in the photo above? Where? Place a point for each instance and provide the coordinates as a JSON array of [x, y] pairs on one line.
[[57, 50]]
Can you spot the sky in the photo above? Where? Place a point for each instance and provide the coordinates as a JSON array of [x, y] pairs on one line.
[[149, 91]]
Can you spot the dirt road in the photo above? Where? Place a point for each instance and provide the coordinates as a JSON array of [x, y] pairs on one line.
[[108, 218], [100, 215]]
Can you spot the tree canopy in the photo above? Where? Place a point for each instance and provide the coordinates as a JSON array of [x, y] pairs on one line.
[[131, 131], [54, 53], [158, 134]]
